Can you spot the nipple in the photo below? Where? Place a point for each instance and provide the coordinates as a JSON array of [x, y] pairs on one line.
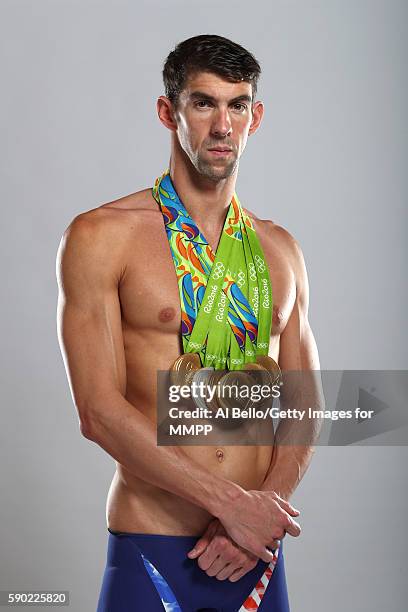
[[220, 454], [167, 314]]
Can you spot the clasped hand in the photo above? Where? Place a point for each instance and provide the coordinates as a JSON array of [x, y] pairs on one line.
[[228, 549]]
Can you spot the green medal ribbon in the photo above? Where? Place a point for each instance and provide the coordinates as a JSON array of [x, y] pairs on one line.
[[226, 297]]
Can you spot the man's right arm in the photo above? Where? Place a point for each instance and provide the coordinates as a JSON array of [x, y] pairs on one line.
[[89, 329]]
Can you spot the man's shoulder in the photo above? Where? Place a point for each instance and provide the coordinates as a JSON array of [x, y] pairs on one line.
[[120, 210], [273, 231], [278, 237], [139, 201], [112, 220]]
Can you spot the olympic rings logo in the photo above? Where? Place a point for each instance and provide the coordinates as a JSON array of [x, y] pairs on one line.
[[241, 278], [237, 361], [195, 345], [262, 345], [252, 271], [218, 359], [260, 265], [218, 270]]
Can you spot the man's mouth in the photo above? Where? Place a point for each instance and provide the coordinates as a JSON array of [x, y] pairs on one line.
[[220, 151]]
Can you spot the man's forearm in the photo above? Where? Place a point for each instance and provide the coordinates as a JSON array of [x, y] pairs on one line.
[[130, 438], [295, 438], [287, 468]]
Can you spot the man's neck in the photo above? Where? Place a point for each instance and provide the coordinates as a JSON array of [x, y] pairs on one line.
[[206, 200]]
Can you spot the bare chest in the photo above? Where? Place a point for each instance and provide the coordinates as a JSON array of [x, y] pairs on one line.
[[149, 293]]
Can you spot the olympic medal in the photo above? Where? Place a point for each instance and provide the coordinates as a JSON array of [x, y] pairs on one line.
[[270, 364], [260, 375], [182, 370], [232, 378], [201, 377], [213, 380]]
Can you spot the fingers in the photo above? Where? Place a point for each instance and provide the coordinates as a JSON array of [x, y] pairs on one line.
[[228, 570], [208, 557], [274, 544], [285, 524], [266, 555], [219, 553], [222, 558], [292, 527], [241, 571], [288, 524], [285, 505], [203, 542], [235, 572], [222, 567], [199, 547], [233, 562]]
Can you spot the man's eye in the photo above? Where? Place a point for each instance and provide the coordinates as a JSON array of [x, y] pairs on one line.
[[239, 106], [202, 103]]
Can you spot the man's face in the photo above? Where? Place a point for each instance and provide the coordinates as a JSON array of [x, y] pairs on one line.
[[214, 118]]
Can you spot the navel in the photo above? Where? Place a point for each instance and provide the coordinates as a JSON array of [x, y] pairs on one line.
[[167, 314], [219, 454]]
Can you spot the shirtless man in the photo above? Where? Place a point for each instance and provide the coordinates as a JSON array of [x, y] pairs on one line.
[[216, 514]]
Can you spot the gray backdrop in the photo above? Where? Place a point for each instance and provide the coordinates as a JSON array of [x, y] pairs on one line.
[[78, 128]]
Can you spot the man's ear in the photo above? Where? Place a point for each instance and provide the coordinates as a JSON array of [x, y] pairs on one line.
[[166, 113], [257, 114]]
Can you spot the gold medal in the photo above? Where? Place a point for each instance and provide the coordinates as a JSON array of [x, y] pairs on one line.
[[238, 378], [214, 378], [182, 370], [187, 368], [259, 373], [270, 364], [201, 378]]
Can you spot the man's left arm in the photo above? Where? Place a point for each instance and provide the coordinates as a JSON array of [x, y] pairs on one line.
[[215, 552], [301, 390]]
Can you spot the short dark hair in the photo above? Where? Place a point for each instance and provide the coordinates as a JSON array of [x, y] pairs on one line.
[[211, 53]]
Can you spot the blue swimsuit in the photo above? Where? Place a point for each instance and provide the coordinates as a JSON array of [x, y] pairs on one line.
[[152, 573]]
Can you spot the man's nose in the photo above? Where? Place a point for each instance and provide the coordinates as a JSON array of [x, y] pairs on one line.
[[221, 125]]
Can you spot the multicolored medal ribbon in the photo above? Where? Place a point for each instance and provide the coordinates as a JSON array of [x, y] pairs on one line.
[[226, 298], [226, 312]]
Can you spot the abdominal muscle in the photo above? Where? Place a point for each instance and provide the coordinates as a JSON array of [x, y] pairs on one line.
[[136, 506]]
